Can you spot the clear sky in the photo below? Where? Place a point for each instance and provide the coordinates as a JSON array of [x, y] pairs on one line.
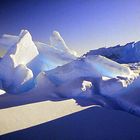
[[84, 24]]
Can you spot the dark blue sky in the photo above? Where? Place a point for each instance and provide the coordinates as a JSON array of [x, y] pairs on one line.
[[84, 24]]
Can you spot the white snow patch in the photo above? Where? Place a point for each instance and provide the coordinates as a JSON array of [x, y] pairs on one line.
[[86, 85], [2, 92]]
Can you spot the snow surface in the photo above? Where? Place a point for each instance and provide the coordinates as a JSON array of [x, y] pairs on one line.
[[32, 113], [66, 120]]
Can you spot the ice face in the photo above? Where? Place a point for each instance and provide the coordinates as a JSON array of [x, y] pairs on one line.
[[14, 73], [107, 67], [58, 42], [24, 50]]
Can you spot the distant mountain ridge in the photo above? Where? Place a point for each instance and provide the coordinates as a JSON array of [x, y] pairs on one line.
[[129, 53]]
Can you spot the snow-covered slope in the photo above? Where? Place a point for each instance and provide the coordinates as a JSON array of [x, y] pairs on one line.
[[129, 53]]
